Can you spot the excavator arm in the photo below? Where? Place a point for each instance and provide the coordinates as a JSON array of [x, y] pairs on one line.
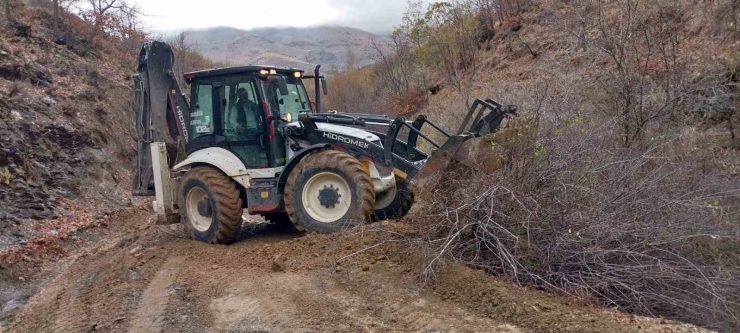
[[162, 119]]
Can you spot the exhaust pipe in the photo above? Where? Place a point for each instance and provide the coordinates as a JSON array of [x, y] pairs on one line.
[[317, 88]]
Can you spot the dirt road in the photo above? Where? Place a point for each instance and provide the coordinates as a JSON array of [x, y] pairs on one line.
[[149, 279]]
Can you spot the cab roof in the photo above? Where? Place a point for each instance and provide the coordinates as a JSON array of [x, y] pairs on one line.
[[223, 71]]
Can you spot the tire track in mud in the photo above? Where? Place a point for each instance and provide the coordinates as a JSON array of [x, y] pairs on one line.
[[150, 312], [74, 311], [241, 313], [66, 306], [72, 301], [253, 305]]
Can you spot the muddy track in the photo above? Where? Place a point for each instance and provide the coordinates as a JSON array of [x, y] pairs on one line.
[[157, 281], [149, 314]]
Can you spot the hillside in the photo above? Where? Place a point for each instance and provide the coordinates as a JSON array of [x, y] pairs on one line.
[[619, 183], [66, 143], [292, 47]]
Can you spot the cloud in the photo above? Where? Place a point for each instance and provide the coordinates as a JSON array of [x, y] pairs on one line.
[[377, 16]]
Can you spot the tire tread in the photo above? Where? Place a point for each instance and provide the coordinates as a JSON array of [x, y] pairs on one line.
[[334, 158], [228, 203]]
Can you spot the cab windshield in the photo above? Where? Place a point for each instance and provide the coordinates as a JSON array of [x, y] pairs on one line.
[[293, 103]]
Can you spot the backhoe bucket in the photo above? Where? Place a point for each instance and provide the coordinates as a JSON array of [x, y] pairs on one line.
[[160, 112], [161, 128]]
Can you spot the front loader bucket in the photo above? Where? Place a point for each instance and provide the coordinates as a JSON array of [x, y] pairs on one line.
[[429, 176], [504, 148], [483, 147], [471, 147]]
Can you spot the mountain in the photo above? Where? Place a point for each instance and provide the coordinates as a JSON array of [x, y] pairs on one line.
[[292, 47]]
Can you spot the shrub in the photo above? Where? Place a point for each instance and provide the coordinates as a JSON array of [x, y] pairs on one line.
[[91, 94], [410, 102], [18, 89], [353, 91], [651, 230]]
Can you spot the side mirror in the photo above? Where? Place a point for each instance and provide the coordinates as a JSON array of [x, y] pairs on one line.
[[282, 86], [324, 86]]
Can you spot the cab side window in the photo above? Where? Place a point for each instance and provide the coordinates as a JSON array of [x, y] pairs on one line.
[[241, 110], [243, 121], [201, 113]]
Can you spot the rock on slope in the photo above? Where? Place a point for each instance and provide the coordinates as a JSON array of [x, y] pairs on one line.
[[293, 47]]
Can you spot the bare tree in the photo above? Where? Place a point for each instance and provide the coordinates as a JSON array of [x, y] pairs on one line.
[[56, 17], [641, 47], [489, 9], [181, 47], [100, 13], [411, 38], [126, 26], [188, 57], [577, 22], [351, 60], [393, 65], [453, 44], [60, 6]]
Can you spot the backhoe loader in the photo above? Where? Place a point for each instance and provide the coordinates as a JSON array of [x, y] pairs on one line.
[[250, 137]]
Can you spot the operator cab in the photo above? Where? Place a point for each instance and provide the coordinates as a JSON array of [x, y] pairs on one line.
[[239, 109]]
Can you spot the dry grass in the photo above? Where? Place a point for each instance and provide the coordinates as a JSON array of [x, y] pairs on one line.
[[18, 89]]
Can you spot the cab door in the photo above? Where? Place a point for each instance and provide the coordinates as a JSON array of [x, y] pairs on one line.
[[291, 102], [243, 122]]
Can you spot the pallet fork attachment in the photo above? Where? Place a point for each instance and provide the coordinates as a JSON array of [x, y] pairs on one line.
[[431, 173], [423, 171]]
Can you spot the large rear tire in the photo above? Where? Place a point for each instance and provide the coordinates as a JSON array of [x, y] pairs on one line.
[[394, 204], [327, 191], [210, 206]]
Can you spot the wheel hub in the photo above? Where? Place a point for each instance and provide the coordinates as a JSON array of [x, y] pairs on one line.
[[199, 209], [329, 196], [204, 207], [326, 197]]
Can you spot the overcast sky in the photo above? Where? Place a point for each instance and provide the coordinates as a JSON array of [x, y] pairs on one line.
[[378, 16]]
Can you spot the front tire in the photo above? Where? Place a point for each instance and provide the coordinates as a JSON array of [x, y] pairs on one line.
[[328, 190], [210, 206], [395, 204]]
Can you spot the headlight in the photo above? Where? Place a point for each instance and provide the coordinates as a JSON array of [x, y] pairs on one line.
[[297, 75], [287, 117], [273, 72], [264, 72]]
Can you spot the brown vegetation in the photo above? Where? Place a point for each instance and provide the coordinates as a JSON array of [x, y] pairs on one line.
[[630, 194]]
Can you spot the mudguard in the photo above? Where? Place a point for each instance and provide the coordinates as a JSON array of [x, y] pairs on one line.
[[295, 160], [220, 158]]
